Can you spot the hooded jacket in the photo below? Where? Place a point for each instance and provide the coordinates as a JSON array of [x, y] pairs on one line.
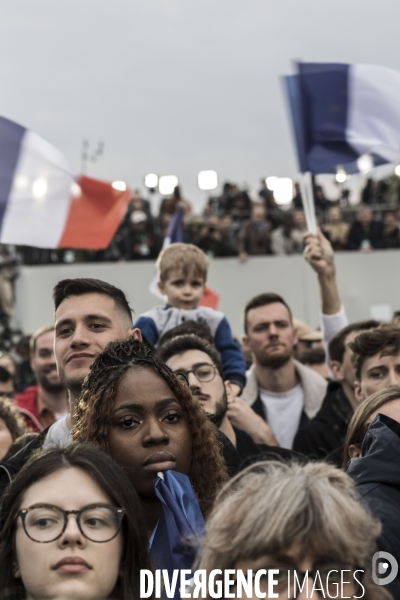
[[26, 402], [377, 477]]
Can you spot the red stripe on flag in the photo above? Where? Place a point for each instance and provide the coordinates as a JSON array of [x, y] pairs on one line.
[[209, 299], [94, 215]]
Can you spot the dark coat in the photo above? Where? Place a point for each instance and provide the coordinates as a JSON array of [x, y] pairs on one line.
[[323, 436], [357, 234], [377, 477]]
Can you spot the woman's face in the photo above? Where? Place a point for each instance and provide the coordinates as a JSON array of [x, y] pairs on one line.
[[5, 439], [148, 431], [72, 566]]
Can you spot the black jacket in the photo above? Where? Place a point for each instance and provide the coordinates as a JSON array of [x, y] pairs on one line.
[[323, 436], [357, 234], [377, 476]]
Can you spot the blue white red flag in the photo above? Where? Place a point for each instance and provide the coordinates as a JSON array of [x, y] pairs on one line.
[[341, 112], [43, 203]]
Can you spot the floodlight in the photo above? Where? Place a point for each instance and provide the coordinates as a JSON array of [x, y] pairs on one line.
[[341, 175], [207, 180], [271, 181], [119, 185], [397, 170], [167, 184], [39, 189], [365, 163], [283, 190], [151, 181]]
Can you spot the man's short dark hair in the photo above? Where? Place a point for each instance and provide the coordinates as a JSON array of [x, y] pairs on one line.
[[198, 328], [263, 300], [184, 343], [384, 340], [337, 344], [79, 287]]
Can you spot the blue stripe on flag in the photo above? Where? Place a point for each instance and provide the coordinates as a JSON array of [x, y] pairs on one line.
[[11, 135], [318, 99]]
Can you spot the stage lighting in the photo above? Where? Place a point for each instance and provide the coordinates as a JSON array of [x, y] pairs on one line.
[[119, 185], [270, 182], [341, 175], [167, 184], [207, 180], [283, 190], [365, 163], [151, 181]]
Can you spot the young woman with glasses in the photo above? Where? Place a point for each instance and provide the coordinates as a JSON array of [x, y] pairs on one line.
[[304, 522], [71, 526]]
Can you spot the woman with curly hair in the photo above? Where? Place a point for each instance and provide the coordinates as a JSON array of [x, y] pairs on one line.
[[11, 426], [304, 522], [134, 407]]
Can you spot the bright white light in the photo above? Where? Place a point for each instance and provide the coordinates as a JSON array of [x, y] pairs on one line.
[[151, 181], [75, 189], [283, 190], [397, 170], [207, 180], [271, 182], [119, 185], [341, 175], [21, 182], [39, 189], [365, 163], [167, 184]]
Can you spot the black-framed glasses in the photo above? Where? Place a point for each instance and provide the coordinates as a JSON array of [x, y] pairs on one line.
[[203, 373], [44, 523]]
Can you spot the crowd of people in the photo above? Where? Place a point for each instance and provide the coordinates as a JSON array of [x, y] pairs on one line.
[[165, 443], [235, 224]]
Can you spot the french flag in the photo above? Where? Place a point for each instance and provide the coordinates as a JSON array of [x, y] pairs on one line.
[[341, 113], [44, 204]]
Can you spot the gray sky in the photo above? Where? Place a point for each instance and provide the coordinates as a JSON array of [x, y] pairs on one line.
[[177, 86]]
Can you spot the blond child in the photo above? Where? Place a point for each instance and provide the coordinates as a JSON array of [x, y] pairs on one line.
[[182, 271]]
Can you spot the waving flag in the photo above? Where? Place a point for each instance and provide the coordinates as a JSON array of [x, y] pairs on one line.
[[43, 203], [342, 112], [174, 235]]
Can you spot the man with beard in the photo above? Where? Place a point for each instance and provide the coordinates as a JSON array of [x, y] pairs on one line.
[[282, 391], [197, 362], [45, 403]]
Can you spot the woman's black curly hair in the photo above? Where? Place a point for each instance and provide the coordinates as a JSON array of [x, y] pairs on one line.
[[96, 402]]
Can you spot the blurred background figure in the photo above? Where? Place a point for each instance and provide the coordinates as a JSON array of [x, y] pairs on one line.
[[287, 238], [254, 235], [6, 383], [391, 231], [368, 194], [213, 240], [336, 229], [11, 426], [365, 234]]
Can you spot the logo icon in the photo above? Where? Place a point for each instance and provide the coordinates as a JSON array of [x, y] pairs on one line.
[[382, 567]]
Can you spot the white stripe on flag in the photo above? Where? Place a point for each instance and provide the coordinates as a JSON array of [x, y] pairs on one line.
[[374, 111], [38, 220]]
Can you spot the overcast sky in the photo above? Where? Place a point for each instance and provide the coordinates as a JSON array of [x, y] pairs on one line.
[[177, 86]]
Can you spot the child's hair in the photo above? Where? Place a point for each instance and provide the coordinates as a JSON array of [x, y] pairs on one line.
[[185, 258]]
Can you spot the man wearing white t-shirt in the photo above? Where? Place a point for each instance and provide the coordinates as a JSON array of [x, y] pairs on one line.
[[279, 389]]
